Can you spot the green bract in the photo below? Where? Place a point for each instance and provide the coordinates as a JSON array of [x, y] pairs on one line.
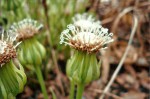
[[12, 80], [83, 67], [32, 52]]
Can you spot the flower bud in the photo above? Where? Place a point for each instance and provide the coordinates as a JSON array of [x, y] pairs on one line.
[[12, 76], [87, 37], [31, 51]]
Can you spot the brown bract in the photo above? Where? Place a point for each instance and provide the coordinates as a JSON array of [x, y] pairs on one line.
[[90, 40], [25, 29], [78, 45], [26, 32], [9, 53]]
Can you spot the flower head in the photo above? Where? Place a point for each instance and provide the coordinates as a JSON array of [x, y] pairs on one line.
[[84, 20], [90, 39], [25, 29], [7, 49]]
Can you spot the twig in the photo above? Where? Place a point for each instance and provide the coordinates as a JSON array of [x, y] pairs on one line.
[[108, 93], [107, 20], [123, 58], [47, 21], [125, 11], [49, 36]]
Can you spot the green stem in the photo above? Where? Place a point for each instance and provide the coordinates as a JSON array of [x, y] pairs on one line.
[[41, 81], [80, 89], [72, 90]]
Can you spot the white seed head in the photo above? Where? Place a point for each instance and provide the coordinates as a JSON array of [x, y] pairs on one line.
[[25, 29], [7, 48], [90, 39], [84, 20]]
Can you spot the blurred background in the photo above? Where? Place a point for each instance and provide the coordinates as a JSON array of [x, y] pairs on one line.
[[132, 82]]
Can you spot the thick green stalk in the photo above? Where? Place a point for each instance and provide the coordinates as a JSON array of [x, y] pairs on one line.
[[41, 81], [72, 90], [80, 89]]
